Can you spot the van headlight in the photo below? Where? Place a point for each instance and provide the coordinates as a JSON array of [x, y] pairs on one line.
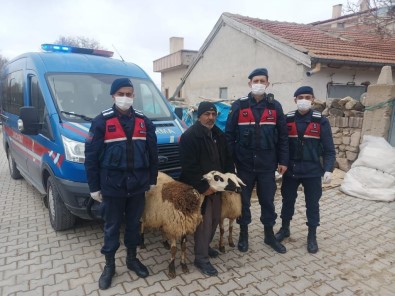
[[74, 150]]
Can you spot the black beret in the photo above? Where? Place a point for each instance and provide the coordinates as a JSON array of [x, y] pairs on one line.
[[259, 71], [304, 90], [204, 107], [118, 83]]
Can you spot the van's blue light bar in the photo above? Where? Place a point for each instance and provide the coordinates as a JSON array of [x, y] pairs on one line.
[[72, 49]]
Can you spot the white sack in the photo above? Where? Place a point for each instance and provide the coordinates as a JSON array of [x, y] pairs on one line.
[[372, 175], [376, 153], [370, 184]]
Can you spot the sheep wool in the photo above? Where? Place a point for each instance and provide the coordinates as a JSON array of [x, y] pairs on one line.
[[182, 196], [230, 209], [174, 208]]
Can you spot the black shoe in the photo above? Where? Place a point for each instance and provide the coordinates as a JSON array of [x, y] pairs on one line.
[[276, 245], [138, 267], [243, 239], [271, 240], [282, 233], [312, 246], [212, 253], [108, 272], [206, 268], [243, 246]]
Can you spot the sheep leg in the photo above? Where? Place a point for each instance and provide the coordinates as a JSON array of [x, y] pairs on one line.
[[221, 236], [230, 238], [142, 244], [172, 267], [183, 257], [165, 242]]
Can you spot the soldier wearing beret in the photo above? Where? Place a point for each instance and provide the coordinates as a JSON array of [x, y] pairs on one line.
[[257, 136], [310, 139], [121, 162]]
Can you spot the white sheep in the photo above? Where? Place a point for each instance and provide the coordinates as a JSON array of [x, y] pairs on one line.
[[230, 209], [175, 209]]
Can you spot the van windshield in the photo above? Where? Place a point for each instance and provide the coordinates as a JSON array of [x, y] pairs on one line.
[[89, 94]]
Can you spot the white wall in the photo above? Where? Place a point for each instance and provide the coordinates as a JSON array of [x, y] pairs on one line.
[[229, 60], [171, 79]]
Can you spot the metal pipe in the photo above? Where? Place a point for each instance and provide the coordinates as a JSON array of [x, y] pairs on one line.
[[316, 69]]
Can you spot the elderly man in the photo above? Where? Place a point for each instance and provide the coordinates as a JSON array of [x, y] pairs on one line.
[[310, 139], [257, 134], [203, 148]]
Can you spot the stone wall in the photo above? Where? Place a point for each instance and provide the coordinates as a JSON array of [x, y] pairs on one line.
[[350, 119], [345, 117], [377, 118]]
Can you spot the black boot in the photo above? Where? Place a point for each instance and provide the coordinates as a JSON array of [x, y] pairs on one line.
[[243, 239], [312, 246], [212, 253], [108, 273], [283, 232], [271, 240], [134, 264]]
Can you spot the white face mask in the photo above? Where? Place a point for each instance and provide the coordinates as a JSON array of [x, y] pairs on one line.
[[123, 103], [258, 89], [303, 104]]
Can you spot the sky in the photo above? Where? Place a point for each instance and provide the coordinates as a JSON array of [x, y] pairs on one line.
[[139, 30]]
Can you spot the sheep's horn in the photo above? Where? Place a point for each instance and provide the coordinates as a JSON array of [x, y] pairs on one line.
[[240, 181]]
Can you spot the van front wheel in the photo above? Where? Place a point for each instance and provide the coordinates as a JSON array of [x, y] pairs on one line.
[[59, 216], [14, 172]]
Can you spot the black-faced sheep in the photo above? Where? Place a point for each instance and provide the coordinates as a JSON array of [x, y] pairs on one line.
[[175, 209]]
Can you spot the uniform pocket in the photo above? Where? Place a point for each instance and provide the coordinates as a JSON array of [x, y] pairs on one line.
[[112, 180]]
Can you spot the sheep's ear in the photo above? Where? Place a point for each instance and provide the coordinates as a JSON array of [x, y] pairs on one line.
[[231, 186]]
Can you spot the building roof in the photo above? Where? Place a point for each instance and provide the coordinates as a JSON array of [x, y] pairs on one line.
[[309, 44], [354, 45]]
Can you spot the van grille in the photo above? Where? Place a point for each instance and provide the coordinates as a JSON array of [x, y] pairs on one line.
[[164, 124], [169, 159]]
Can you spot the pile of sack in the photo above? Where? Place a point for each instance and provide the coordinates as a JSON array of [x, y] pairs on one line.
[[372, 175]]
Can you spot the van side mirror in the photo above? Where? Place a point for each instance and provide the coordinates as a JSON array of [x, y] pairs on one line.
[[28, 122], [178, 111]]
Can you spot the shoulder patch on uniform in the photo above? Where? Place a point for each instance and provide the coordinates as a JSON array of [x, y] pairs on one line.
[[290, 116], [138, 113], [316, 114], [108, 113]]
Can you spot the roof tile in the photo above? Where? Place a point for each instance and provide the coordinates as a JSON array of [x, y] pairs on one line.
[[354, 44]]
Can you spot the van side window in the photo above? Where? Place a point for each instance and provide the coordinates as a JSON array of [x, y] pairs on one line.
[[37, 101], [12, 92]]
